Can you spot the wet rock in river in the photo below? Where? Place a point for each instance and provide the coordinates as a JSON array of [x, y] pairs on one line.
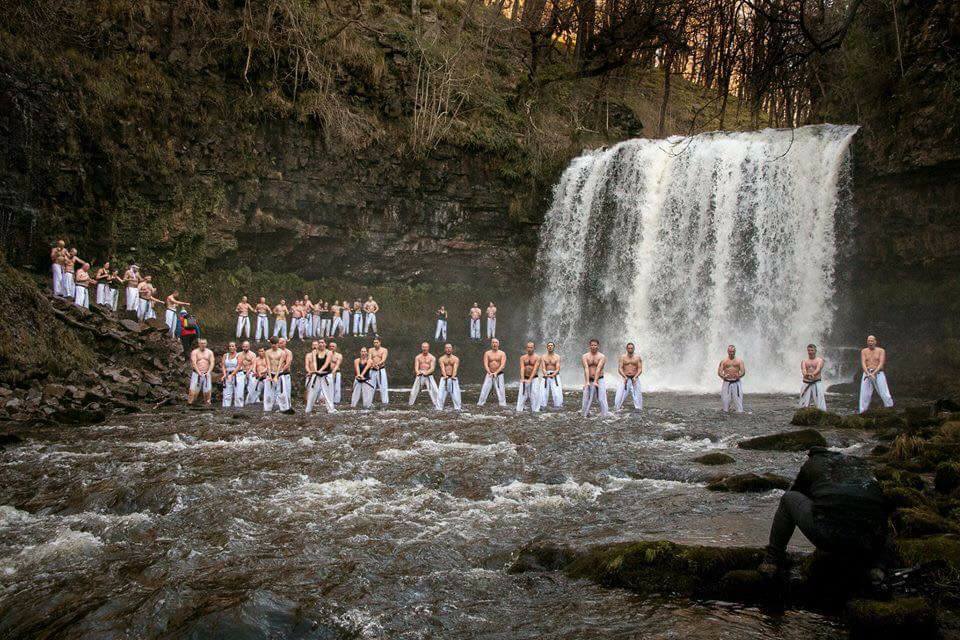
[[813, 417], [541, 558], [897, 618], [714, 459], [790, 441], [749, 483]]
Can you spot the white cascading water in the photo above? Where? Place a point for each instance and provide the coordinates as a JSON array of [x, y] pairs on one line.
[[686, 245]]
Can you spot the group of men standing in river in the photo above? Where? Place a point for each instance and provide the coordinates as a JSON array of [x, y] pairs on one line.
[[306, 319]]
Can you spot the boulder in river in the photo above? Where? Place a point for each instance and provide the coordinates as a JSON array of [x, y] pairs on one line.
[[749, 483], [813, 417], [714, 459], [789, 441], [894, 619]]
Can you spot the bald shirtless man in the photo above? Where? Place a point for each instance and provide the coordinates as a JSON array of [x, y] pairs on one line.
[[132, 279], [873, 360], [491, 321], [475, 314], [263, 322], [273, 383], [494, 362], [297, 322], [171, 302], [552, 388], [147, 296], [731, 370], [630, 366], [594, 386], [318, 366], [531, 387], [57, 257], [449, 383], [246, 361], [243, 318], [82, 280], [201, 362], [71, 260], [378, 370], [370, 310], [280, 320], [423, 367], [336, 362], [811, 370]]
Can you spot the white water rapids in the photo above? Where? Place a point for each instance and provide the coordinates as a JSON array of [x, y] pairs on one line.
[[686, 245]]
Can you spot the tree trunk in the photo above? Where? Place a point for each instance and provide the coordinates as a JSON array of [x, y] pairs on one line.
[[667, 63]]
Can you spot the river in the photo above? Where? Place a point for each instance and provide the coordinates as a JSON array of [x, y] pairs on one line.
[[397, 523]]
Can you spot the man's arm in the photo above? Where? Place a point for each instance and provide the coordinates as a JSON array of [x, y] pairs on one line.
[[503, 364], [883, 360], [863, 361], [522, 377], [623, 374], [586, 370], [416, 365], [486, 364], [433, 365], [456, 366], [743, 368], [336, 364], [603, 361]]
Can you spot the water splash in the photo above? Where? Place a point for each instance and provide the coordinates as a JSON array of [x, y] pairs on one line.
[[688, 244]]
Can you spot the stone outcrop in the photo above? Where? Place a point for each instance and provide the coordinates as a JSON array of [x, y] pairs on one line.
[[749, 483], [788, 441]]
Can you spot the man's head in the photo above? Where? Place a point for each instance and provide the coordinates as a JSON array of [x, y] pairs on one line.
[[148, 279], [232, 347], [871, 341], [243, 299], [84, 267], [551, 347], [495, 344], [282, 302], [282, 343], [731, 351], [448, 349], [73, 252], [376, 343], [263, 300], [175, 293], [369, 298], [315, 345], [332, 346], [811, 351], [202, 343], [245, 346], [306, 298], [273, 342], [61, 244], [530, 348], [424, 347], [261, 352], [594, 345], [630, 348]]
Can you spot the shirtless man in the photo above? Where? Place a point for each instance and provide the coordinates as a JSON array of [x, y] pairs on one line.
[[263, 324], [873, 360], [296, 319], [201, 362], [243, 318], [362, 387], [171, 302], [552, 389], [69, 266], [629, 366], [594, 386], [146, 293], [441, 332], [132, 277], [424, 364], [336, 361], [491, 321], [378, 370], [58, 255], [258, 376], [370, 309], [280, 320], [345, 315], [307, 316], [113, 282], [475, 314], [449, 383], [273, 387], [357, 312], [531, 387], [494, 362], [731, 370], [336, 322], [81, 295], [325, 322], [246, 362], [318, 364], [811, 370], [230, 372], [102, 278]]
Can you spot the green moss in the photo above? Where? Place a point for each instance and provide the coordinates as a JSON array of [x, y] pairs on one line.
[[749, 483], [790, 441], [947, 477], [915, 551], [813, 417], [919, 521]]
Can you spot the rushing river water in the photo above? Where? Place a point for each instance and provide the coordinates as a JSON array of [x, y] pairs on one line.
[[392, 524]]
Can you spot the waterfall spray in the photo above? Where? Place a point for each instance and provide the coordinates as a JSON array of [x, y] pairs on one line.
[[686, 245]]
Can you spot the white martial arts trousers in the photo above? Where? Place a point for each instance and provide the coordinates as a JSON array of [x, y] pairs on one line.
[[103, 294], [371, 321], [320, 387], [631, 387], [362, 392], [69, 286], [430, 384], [133, 299], [324, 328], [263, 328], [170, 318], [346, 323], [441, 333], [254, 389], [234, 389], [879, 384], [491, 328], [358, 323], [731, 393], [598, 393], [337, 387], [201, 383], [552, 390], [449, 388], [114, 297], [280, 329], [530, 391], [57, 270], [474, 328], [489, 382], [298, 328], [812, 395], [145, 311], [243, 327], [337, 325], [276, 392], [81, 297], [379, 379]]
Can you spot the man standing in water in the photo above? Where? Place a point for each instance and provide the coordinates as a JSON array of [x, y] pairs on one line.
[[630, 366], [245, 376], [263, 324], [257, 378], [812, 369], [873, 360], [423, 367], [475, 314], [491, 321], [318, 364], [378, 370], [449, 384], [243, 318], [362, 387], [552, 389], [336, 378], [280, 320], [530, 388], [594, 386], [201, 360], [494, 362], [731, 370], [273, 384]]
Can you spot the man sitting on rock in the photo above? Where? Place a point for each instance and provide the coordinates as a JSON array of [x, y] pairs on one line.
[[838, 505]]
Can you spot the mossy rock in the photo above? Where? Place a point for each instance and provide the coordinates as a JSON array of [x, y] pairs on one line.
[[949, 431], [899, 477], [913, 522], [714, 459], [748, 586], [854, 422], [749, 483], [663, 567], [801, 440], [813, 417], [905, 497], [947, 477], [915, 551], [898, 618], [541, 558]]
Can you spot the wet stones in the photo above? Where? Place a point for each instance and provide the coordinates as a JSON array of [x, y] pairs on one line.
[[749, 483], [897, 618], [801, 440], [813, 417], [947, 477], [714, 459]]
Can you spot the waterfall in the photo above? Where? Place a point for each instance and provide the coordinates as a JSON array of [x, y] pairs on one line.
[[686, 245]]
